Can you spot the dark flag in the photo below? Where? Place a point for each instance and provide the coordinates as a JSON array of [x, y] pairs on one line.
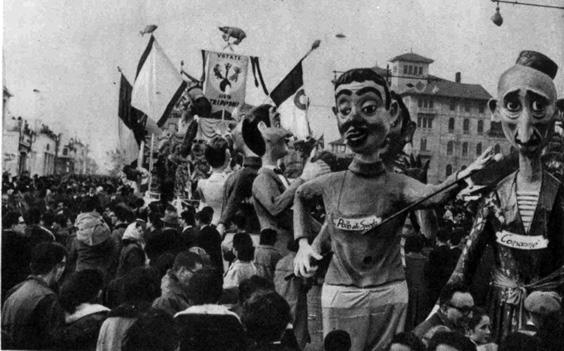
[[131, 117]]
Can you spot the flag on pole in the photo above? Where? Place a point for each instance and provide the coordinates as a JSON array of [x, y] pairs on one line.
[[130, 131], [158, 84], [293, 103]]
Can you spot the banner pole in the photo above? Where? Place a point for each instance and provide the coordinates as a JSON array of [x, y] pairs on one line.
[[151, 161]]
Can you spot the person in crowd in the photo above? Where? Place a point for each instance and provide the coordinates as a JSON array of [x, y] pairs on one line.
[[61, 228], [520, 342], [238, 186], [140, 288], [239, 223], [187, 236], [153, 234], [174, 285], [294, 290], [16, 251], [83, 315], [541, 305], [167, 240], [272, 192], [206, 325], [123, 217], [208, 237], [528, 248], [366, 263], [32, 315], [266, 316], [450, 341], [243, 267], [211, 189], [36, 232], [455, 308], [133, 248], [266, 255], [154, 330], [419, 304], [406, 341], [440, 265], [93, 247], [337, 340], [479, 329], [248, 287]]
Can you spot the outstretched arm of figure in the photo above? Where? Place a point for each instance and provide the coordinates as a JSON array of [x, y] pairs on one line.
[[303, 231], [266, 191]]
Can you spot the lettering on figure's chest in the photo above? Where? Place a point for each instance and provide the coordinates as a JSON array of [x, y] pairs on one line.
[[522, 242], [357, 224]]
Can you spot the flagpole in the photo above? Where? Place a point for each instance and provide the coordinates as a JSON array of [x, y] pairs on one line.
[[151, 161]]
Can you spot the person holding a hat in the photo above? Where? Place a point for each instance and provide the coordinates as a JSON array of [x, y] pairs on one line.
[[522, 218]]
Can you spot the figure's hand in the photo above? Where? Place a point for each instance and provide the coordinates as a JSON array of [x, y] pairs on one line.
[[303, 266], [481, 162], [220, 229], [416, 168], [314, 169]]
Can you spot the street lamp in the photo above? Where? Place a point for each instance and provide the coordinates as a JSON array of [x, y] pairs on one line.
[[498, 20]]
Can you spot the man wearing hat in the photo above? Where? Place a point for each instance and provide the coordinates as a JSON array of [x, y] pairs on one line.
[[165, 239], [522, 219]]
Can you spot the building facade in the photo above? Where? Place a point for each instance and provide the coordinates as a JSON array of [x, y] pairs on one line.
[[44, 152]]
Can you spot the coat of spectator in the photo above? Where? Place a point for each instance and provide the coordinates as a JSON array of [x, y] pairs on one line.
[[243, 267], [266, 255]]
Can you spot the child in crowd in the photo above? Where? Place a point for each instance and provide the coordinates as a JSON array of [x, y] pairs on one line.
[[243, 266], [266, 255]]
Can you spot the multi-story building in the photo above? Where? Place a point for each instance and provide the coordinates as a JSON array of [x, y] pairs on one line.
[[44, 152], [453, 121]]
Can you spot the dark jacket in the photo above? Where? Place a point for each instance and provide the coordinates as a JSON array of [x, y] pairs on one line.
[[32, 315], [209, 239], [132, 255], [82, 328], [16, 253], [173, 297], [266, 257], [160, 241], [438, 318]]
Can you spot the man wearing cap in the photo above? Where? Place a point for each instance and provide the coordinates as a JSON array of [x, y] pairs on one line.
[[365, 292], [522, 219]]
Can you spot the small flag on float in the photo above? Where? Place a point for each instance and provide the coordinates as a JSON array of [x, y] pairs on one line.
[[158, 85], [293, 103], [130, 131]]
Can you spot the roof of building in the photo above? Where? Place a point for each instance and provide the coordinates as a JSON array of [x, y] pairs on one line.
[[442, 87], [411, 57]]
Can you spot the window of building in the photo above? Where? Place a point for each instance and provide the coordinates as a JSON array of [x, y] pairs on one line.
[[466, 126], [467, 106], [423, 146], [425, 120], [65, 152], [448, 170], [47, 147], [452, 104], [481, 107], [419, 122], [405, 69], [465, 149], [451, 124], [420, 102], [420, 70], [478, 149], [497, 148], [480, 127], [430, 103], [450, 147]]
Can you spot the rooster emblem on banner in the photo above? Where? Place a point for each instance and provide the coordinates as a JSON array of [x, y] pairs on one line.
[[225, 79]]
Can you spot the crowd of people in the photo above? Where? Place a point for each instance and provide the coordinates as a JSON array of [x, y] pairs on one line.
[[87, 263]]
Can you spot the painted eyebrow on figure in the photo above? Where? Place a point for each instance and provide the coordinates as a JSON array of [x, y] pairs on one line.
[[366, 90], [536, 95], [511, 95], [345, 92]]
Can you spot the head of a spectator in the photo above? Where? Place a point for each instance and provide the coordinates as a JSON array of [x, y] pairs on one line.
[[123, 213], [268, 237], [443, 236], [135, 232], [48, 261], [142, 284], [252, 285], [170, 218], [414, 244], [239, 221], [206, 287], [450, 341], [154, 221], [187, 218], [81, 287], [217, 153], [456, 304], [541, 304], [243, 247], [408, 228], [89, 204], [14, 221], [206, 259], [479, 327], [204, 217], [185, 265], [265, 316], [47, 219], [337, 340], [34, 216], [519, 342], [406, 341], [61, 221], [153, 330]]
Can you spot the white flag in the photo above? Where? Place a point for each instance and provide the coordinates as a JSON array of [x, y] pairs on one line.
[[158, 84], [128, 147]]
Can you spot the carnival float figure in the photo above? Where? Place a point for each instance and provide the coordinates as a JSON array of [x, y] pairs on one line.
[[365, 292], [522, 218]]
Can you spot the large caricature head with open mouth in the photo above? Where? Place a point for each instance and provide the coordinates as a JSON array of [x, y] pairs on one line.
[[364, 110], [526, 104]]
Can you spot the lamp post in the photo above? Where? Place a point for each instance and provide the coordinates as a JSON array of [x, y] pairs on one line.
[[498, 20]]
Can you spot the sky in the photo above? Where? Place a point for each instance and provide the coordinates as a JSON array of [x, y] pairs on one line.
[[68, 50]]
